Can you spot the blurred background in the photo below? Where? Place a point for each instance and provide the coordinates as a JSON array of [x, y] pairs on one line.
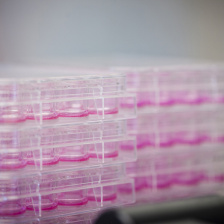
[[33, 30]]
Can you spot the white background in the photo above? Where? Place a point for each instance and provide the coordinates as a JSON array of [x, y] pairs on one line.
[[40, 29]]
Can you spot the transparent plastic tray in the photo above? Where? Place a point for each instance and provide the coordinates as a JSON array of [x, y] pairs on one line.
[[56, 194], [176, 129], [178, 173], [60, 97], [177, 86], [68, 201], [59, 147], [24, 185], [84, 218]]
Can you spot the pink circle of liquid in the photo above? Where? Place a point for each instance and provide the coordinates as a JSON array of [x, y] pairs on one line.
[[168, 99], [72, 109], [168, 143], [106, 106], [143, 140], [217, 178], [159, 181], [141, 104], [140, 183], [192, 138], [106, 150], [107, 154], [188, 178], [45, 116], [220, 139], [145, 99], [167, 103], [12, 208], [13, 166], [147, 140], [196, 101], [165, 140], [107, 196], [171, 102], [12, 115], [44, 162], [74, 154], [191, 98], [75, 198], [12, 121], [196, 141], [127, 103], [48, 202], [48, 158], [199, 101], [13, 161], [48, 112]]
